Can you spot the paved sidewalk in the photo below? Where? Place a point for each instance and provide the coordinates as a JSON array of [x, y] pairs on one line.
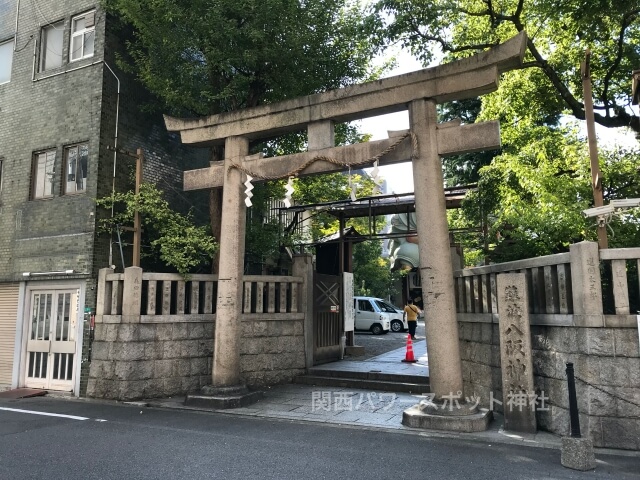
[[390, 363], [357, 409], [348, 407]]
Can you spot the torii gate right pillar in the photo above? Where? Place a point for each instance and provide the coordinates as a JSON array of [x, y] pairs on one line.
[[436, 275], [436, 272]]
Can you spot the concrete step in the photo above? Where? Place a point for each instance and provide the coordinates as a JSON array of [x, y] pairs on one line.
[[362, 384], [370, 375]]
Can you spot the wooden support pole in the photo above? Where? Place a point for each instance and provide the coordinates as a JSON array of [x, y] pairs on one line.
[[596, 179], [137, 230]]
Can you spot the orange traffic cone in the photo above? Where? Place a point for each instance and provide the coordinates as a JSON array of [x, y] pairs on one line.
[[409, 358]]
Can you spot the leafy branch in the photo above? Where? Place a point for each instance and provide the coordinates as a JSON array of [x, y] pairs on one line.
[[562, 32], [172, 237]]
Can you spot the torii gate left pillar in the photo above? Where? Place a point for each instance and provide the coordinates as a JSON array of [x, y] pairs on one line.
[[226, 390], [226, 351]]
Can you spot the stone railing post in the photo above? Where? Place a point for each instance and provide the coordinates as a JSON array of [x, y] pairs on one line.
[[132, 295], [303, 267], [102, 295], [586, 285], [457, 260]]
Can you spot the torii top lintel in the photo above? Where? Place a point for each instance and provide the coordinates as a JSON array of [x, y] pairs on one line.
[[466, 78]]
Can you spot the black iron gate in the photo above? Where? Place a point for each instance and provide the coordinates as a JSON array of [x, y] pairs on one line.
[[327, 318]]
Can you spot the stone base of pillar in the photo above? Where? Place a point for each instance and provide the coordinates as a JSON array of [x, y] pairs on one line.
[[577, 454], [354, 350], [223, 397], [438, 416]]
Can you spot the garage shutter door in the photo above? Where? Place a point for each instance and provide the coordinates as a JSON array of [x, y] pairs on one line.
[[8, 313]]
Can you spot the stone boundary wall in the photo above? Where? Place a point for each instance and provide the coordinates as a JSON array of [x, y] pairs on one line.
[[271, 351], [607, 358], [131, 361]]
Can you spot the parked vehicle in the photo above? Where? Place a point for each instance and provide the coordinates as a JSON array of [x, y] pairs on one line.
[[370, 309], [396, 315], [369, 316]]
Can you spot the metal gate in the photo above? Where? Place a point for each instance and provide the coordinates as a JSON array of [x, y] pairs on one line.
[[327, 318], [9, 294], [51, 343]]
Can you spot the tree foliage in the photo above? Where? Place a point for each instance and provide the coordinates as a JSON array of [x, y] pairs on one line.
[[203, 57], [533, 193], [169, 236], [559, 33], [333, 187], [372, 276]]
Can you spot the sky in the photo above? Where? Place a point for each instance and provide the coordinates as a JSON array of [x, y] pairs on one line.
[[399, 177]]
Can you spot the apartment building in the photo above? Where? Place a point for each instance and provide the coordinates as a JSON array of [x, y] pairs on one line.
[[64, 106]]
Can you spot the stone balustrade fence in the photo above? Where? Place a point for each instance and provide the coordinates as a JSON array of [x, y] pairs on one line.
[[162, 297], [584, 286]]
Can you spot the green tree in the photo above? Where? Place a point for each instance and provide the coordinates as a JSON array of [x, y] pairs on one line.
[[533, 195], [371, 273], [202, 57], [549, 83]]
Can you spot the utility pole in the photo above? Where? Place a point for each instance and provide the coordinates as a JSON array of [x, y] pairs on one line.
[[596, 178], [137, 231]]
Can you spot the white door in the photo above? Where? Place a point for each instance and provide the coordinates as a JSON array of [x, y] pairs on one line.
[[365, 314], [51, 342]]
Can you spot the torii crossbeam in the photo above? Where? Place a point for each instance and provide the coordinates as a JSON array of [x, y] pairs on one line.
[[419, 92]]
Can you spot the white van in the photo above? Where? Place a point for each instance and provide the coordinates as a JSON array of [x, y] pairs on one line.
[[378, 316], [396, 315]]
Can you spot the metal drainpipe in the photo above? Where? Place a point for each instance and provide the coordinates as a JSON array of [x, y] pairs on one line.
[[15, 34], [115, 159]]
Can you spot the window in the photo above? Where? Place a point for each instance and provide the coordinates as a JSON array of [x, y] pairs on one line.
[[43, 174], [385, 307], [51, 46], [6, 60], [76, 160], [365, 306], [83, 30]]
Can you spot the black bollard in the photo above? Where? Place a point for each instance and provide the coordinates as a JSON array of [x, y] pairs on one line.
[[573, 402]]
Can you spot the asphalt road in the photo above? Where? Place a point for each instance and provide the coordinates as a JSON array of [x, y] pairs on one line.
[[124, 442], [375, 345]]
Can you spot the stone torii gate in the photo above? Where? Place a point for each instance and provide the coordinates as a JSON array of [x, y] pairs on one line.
[[419, 92]]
